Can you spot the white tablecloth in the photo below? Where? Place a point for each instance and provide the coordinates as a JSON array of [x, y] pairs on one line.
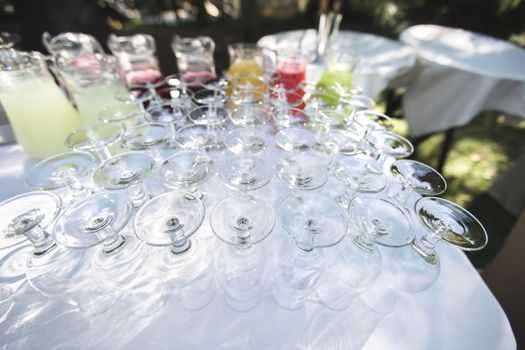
[[460, 74], [381, 59], [458, 312]]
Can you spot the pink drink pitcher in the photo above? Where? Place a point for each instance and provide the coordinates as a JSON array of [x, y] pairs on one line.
[[136, 55], [194, 58]]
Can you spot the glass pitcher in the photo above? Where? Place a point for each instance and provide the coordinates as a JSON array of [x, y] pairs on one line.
[[246, 66], [70, 45], [136, 55], [339, 65], [40, 114], [194, 58], [93, 81]]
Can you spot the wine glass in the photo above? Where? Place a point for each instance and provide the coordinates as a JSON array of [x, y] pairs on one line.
[[169, 220], [313, 221], [282, 98], [179, 92], [417, 177], [303, 171], [210, 97], [249, 116], [373, 221], [210, 115], [95, 139], [330, 117], [154, 97], [242, 221], [64, 170], [178, 97], [169, 115], [148, 137], [382, 144], [120, 267], [373, 120], [126, 170], [48, 267], [417, 266], [295, 139], [136, 97], [248, 138], [359, 177], [185, 170], [339, 141], [125, 116], [244, 141], [197, 137], [247, 96], [26, 216], [289, 117]]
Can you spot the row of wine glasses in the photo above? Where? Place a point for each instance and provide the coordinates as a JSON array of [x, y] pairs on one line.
[[330, 247]]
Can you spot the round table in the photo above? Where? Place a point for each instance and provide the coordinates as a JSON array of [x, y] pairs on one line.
[[460, 74], [381, 59], [458, 312]]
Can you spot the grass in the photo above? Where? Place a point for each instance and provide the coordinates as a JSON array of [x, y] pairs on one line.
[[480, 153]]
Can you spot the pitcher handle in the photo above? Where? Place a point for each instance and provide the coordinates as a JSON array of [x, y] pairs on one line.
[[46, 40]]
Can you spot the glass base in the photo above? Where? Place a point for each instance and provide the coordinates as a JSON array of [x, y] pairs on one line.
[[242, 220]]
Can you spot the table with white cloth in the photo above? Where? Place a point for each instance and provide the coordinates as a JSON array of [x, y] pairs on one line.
[[381, 60], [458, 312], [460, 73]]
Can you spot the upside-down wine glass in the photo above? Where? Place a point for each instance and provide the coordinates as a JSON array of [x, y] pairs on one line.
[[64, 170], [120, 267], [417, 266], [381, 144], [48, 268], [303, 171], [414, 176], [312, 221], [247, 137], [124, 118], [197, 137], [126, 171], [149, 138], [179, 92], [373, 221], [169, 114], [185, 170], [95, 139], [359, 176], [169, 220], [137, 97], [372, 120], [242, 221]]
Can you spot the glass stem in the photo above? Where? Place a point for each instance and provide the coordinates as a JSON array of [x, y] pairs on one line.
[[425, 245], [137, 193], [380, 160], [403, 195], [113, 243], [348, 194], [41, 240], [180, 246], [102, 153], [364, 242], [76, 189]]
